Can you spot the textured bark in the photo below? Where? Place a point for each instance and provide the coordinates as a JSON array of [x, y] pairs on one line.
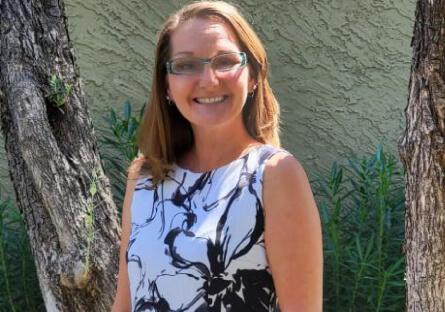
[[422, 150], [51, 154]]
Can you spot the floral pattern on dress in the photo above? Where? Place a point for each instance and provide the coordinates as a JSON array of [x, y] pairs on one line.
[[201, 246]]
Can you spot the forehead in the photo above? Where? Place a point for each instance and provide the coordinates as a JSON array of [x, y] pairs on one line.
[[202, 37]]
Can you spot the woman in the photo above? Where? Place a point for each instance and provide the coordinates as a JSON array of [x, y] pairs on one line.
[[216, 216]]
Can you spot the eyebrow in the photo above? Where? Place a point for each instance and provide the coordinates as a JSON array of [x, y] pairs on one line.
[[191, 53]]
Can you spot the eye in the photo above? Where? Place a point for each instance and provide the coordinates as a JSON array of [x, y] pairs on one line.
[[185, 65], [226, 61]]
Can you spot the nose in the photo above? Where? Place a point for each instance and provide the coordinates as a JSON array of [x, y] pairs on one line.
[[208, 77]]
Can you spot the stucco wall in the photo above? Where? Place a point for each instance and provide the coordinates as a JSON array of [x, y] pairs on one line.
[[339, 68]]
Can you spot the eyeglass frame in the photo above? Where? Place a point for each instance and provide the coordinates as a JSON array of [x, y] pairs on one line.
[[204, 61]]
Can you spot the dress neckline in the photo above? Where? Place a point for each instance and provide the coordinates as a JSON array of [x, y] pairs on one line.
[[248, 152]]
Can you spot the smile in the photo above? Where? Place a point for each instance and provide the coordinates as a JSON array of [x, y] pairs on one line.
[[210, 100]]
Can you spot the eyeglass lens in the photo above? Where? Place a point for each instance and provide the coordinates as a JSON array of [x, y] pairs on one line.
[[223, 62]]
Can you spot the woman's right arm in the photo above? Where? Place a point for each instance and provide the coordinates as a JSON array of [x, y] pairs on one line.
[[122, 300]]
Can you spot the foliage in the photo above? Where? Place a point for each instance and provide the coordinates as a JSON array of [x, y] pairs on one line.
[[362, 212], [59, 91], [121, 140], [19, 290]]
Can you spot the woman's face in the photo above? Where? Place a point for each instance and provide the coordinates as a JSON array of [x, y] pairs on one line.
[[208, 99]]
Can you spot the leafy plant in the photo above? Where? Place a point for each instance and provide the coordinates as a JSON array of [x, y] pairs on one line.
[[59, 91], [120, 139], [362, 212], [19, 289]]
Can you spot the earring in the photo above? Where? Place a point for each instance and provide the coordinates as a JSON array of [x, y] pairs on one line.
[[169, 102], [253, 91]]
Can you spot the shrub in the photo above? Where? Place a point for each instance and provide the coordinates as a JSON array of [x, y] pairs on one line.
[[362, 213], [19, 288], [120, 138]]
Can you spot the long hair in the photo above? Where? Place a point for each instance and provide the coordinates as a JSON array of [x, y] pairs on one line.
[[164, 134]]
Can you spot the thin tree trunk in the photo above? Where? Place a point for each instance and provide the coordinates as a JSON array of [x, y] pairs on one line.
[[52, 154], [422, 150]]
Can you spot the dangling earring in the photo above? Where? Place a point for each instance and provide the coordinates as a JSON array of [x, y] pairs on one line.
[[251, 94], [169, 102]]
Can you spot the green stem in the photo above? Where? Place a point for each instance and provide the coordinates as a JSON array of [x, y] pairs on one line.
[[337, 252], [381, 293], [381, 233], [358, 277]]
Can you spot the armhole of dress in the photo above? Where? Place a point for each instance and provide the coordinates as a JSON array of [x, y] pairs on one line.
[[136, 181], [261, 168], [139, 182]]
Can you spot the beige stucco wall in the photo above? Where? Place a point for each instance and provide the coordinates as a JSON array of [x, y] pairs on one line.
[[339, 68]]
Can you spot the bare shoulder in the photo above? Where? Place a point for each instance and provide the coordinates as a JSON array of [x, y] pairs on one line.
[[286, 187], [283, 168], [134, 170]]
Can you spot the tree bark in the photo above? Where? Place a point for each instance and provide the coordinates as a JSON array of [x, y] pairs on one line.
[[422, 150], [52, 154]]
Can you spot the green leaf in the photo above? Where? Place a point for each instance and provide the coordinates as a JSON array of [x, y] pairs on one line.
[[93, 189], [127, 110]]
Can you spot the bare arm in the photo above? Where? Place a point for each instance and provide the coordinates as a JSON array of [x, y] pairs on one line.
[[122, 301], [293, 235]]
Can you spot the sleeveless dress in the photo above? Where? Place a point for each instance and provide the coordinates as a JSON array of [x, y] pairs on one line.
[[197, 240]]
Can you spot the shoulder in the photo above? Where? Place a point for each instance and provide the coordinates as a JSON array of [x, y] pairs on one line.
[[286, 183], [136, 168], [133, 176], [282, 169], [283, 165]]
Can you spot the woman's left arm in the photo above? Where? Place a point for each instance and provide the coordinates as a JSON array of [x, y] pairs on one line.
[[293, 236]]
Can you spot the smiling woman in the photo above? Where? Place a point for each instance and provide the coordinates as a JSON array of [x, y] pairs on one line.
[[216, 216], [227, 90]]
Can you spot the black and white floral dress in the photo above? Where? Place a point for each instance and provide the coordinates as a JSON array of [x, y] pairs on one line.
[[197, 242]]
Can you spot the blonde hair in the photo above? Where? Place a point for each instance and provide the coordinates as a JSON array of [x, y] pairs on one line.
[[164, 134]]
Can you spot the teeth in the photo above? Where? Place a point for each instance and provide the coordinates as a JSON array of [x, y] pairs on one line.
[[210, 100]]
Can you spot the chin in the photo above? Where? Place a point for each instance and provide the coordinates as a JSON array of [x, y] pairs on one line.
[[214, 121], [210, 123]]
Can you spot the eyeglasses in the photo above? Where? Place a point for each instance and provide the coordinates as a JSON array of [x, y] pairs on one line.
[[193, 65]]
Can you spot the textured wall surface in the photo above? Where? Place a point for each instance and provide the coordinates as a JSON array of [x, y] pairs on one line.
[[339, 68]]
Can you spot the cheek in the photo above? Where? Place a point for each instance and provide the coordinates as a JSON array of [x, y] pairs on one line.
[[241, 86], [178, 88], [237, 82]]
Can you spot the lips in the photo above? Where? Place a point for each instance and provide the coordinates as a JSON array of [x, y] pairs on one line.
[[210, 100]]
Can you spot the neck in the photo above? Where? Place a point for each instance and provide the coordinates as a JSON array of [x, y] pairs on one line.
[[215, 147]]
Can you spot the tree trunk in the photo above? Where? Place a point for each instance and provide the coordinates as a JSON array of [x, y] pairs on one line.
[[422, 150], [53, 159]]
